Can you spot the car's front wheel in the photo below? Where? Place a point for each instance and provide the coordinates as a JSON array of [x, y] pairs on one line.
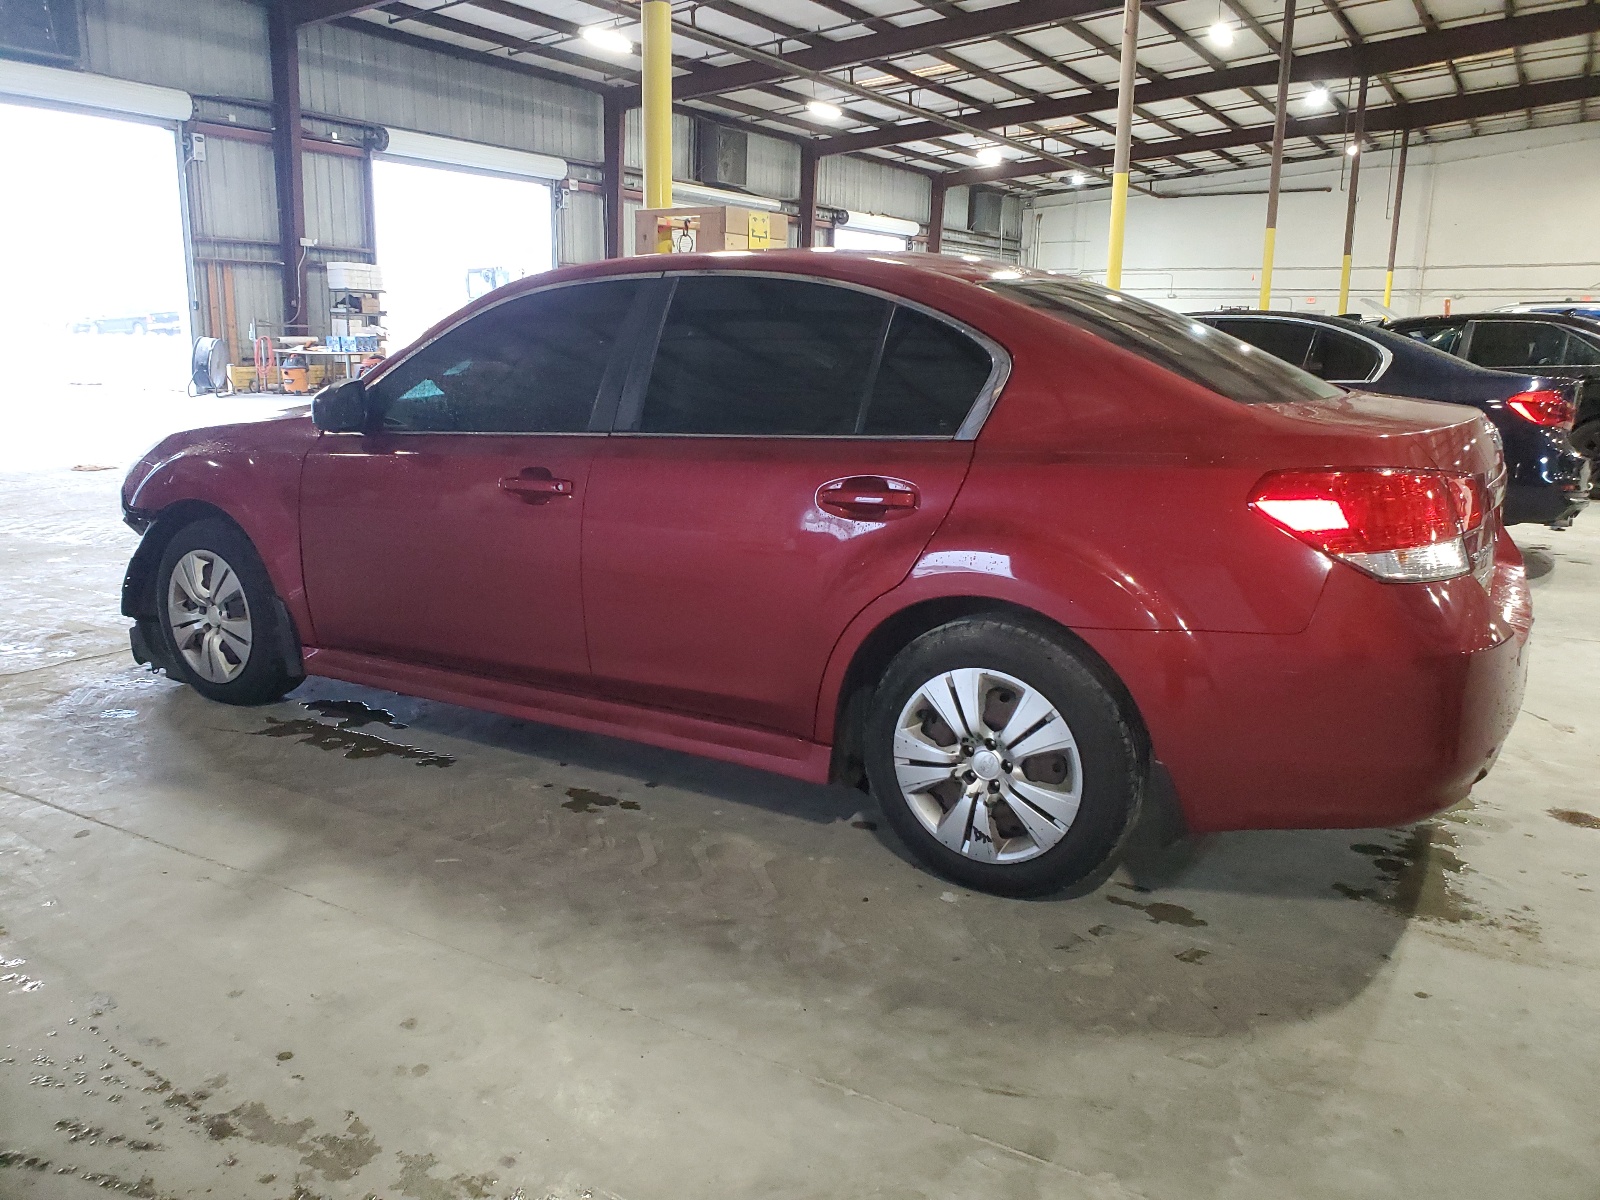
[[1002, 759], [218, 616]]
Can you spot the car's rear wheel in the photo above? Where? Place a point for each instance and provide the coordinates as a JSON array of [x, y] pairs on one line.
[[1002, 759], [219, 617]]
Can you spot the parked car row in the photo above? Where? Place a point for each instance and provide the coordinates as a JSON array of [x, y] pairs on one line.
[[1549, 479], [135, 323], [1029, 557]]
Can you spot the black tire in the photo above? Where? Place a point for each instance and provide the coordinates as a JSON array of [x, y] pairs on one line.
[[1113, 760], [264, 677]]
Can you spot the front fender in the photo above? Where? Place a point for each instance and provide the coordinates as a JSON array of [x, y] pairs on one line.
[[248, 473]]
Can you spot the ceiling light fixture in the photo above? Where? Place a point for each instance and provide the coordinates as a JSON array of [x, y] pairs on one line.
[[824, 111], [1220, 35], [1318, 97], [1352, 149], [605, 38], [1078, 179], [990, 156]]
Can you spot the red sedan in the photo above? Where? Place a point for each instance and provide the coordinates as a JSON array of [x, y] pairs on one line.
[[1019, 551]]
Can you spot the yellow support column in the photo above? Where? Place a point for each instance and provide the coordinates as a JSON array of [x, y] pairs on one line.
[[1119, 224], [1266, 266], [1280, 119], [656, 92], [1122, 158]]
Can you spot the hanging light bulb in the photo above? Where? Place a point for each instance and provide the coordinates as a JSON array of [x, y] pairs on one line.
[[824, 111], [607, 39], [1220, 35], [990, 156], [1317, 97], [1352, 149], [1078, 179]]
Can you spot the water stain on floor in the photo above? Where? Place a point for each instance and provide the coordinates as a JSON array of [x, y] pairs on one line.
[[1161, 913], [352, 714], [334, 1156], [1573, 816], [1417, 876], [585, 801], [353, 743]]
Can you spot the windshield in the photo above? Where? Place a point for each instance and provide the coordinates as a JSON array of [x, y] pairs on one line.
[[1184, 346]]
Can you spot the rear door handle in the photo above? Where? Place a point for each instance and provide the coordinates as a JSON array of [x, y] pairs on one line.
[[869, 498], [534, 488]]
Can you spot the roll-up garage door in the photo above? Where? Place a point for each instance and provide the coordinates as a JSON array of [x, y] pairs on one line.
[[455, 220]]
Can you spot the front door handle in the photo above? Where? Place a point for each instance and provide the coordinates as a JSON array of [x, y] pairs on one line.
[[869, 498], [536, 486]]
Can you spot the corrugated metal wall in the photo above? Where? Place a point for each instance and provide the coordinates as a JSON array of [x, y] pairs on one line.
[[865, 186], [349, 74], [233, 218], [211, 47], [581, 228]]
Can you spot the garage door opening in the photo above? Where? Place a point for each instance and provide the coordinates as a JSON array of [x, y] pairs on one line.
[[446, 236], [94, 315]]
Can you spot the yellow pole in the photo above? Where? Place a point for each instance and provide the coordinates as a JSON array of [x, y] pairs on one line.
[[1280, 120], [1359, 132], [656, 91], [1122, 157], [1266, 268], [1388, 287], [1119, 224], [1344, 285]]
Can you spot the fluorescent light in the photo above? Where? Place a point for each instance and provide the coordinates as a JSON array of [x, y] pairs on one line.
[[1317, 97], [608, 39], [824, 111], [990, 156], [1220, 35]]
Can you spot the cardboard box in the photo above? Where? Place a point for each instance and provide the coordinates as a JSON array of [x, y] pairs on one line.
[[701, 230]]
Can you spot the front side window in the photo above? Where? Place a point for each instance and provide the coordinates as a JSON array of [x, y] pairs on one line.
[[749, 356], [1288, 340], [1344, 357], [1186, 347], [533, 364], [1516, 344]]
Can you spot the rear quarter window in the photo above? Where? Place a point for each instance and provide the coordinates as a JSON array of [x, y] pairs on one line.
[[1186, 347]]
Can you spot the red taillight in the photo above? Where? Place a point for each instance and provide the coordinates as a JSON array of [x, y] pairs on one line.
[[1547, 408], [1392, 524]]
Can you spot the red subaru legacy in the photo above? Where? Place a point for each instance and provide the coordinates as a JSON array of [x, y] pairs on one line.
[[1020, 552]]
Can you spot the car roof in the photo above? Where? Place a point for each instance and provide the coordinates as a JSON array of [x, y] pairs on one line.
[[1283, 314], [1543, 318]]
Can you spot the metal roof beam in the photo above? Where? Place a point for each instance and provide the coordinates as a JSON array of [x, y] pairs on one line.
[[1391, 54], [310, 12], [1448, 110]]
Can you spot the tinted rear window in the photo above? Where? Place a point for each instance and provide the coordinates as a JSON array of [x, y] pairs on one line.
[[1182, 345]]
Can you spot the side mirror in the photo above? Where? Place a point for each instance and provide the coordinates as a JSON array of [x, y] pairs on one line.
[[340, 407]]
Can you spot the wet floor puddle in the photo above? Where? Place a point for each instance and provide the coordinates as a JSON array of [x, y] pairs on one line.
[[346, 737], [584, 801], [1419, 875], [1573, 816], [1161, 913]]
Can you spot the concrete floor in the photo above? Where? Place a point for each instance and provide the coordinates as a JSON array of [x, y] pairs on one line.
[[268, 954]]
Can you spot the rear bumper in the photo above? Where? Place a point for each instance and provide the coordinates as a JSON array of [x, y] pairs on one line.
[[1386, 709], [1550, 488]]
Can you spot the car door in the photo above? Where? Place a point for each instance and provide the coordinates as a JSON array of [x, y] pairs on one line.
[[780, 461], [1522, 345], [449, 534]]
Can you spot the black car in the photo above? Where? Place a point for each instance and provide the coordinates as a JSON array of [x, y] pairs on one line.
[[1562, 345], [1548, 480]]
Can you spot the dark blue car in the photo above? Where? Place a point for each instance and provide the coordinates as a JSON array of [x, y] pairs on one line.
[[1548, 481]]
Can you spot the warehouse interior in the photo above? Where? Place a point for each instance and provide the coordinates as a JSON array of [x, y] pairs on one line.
[[366, 945]]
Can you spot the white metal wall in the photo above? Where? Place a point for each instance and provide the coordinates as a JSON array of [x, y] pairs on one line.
[[209, 47], [866, 186], [353, 75]]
